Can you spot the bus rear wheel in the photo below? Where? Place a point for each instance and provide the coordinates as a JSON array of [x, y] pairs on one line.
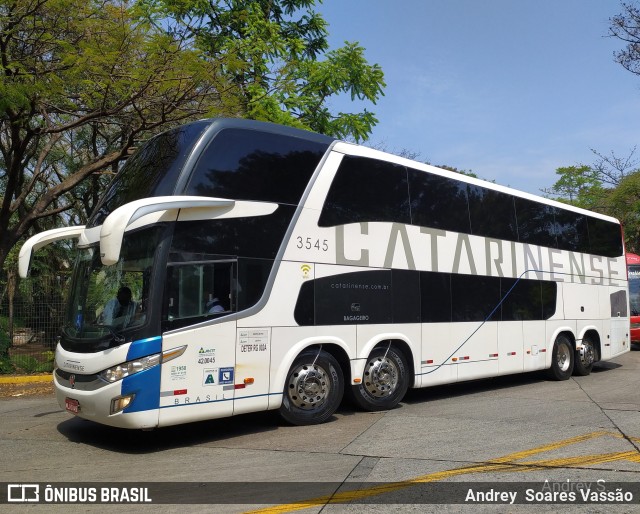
[[385, 380], [562, 359], [584, 358], [313, 390]]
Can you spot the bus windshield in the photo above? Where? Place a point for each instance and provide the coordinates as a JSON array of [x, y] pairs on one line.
[[107, 301], [634, 289]]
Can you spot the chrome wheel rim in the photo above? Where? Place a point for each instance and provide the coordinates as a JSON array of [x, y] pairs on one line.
[[587, 353], [563, 357], [309, 386], [381, 377]]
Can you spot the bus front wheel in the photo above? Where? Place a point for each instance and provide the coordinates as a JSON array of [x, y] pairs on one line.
[[562, 359], [313, 390], [385, 380]]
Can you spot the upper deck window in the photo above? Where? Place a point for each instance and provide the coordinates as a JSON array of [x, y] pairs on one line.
[[367, 190], [372, 190], [247, 164], [152, 171]]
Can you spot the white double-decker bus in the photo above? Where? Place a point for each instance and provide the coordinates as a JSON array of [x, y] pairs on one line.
[[236, 266]]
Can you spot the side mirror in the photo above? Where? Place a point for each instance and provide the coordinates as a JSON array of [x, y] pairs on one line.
[[43, 239]]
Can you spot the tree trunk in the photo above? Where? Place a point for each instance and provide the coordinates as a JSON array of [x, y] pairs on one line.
[[11, 288]]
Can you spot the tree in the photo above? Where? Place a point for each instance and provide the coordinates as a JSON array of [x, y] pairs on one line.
[[82, 82], [578, 185], [588, 186], [623, 203], [626, 28], [273, 56]]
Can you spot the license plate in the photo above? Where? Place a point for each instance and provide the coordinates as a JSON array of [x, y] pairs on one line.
[[72, 405]]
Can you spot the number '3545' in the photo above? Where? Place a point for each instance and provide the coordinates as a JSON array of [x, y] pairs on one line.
[[309, 243]]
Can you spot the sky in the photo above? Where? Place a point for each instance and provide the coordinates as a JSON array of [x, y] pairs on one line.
[[508, 89]]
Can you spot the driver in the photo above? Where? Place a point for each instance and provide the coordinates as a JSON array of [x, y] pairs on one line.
[[120, 310]]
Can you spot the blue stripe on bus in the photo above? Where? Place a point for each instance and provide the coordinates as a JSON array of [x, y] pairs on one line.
[[145, 385], [144, 347]]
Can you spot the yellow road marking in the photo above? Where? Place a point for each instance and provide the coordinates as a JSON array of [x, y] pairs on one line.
[[507, 463]]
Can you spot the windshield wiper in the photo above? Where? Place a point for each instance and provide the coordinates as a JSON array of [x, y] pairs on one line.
[[116, 339]]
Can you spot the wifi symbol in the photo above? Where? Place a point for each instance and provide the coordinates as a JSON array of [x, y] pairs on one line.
[[305, 270]]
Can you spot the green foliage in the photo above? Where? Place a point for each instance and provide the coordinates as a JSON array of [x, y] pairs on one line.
[[579, 186], [6, 366], [82, 81], [29, 364], [5, 344], [468, 173], [275, 57], [623, 202]]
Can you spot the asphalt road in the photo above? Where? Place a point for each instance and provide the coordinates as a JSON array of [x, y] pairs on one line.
[[437, 451]]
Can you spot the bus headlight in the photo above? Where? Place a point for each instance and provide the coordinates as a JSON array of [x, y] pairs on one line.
[[129, 368]]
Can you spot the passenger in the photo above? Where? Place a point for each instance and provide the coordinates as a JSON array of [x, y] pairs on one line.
[[213, 305]]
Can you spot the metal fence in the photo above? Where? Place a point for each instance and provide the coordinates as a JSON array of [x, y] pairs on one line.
[[31, 315]]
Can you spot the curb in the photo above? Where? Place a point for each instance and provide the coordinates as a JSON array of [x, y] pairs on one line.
[[28, 379]]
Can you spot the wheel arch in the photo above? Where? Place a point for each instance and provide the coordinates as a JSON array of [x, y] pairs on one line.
[[333, 345], [398, 343], [562, 361], [564, 331]]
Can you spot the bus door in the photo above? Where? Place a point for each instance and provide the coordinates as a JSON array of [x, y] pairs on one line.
[[200, 384]]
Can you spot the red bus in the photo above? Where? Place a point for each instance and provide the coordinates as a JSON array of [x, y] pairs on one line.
[[633, 271]]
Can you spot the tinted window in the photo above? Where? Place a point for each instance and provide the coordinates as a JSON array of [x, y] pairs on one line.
[[474, 298], [405, 291], [252, 280], [369, 297], [549, 291], [198, 291], [435, 294], [371, 190], [438, 202], [257, 236], [522, 300], [251, 165], [492, 213], [571, 231], [527, 299], [304, 312], [604, 237], [535, 223], [366, 190], [152, 171]]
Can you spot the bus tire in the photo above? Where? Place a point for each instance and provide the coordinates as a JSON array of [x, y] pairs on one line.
[[385, 380], [313, 389], [584, 358], [562, 359]]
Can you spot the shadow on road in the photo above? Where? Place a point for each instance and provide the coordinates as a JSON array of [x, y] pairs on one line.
[[214, 431]]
